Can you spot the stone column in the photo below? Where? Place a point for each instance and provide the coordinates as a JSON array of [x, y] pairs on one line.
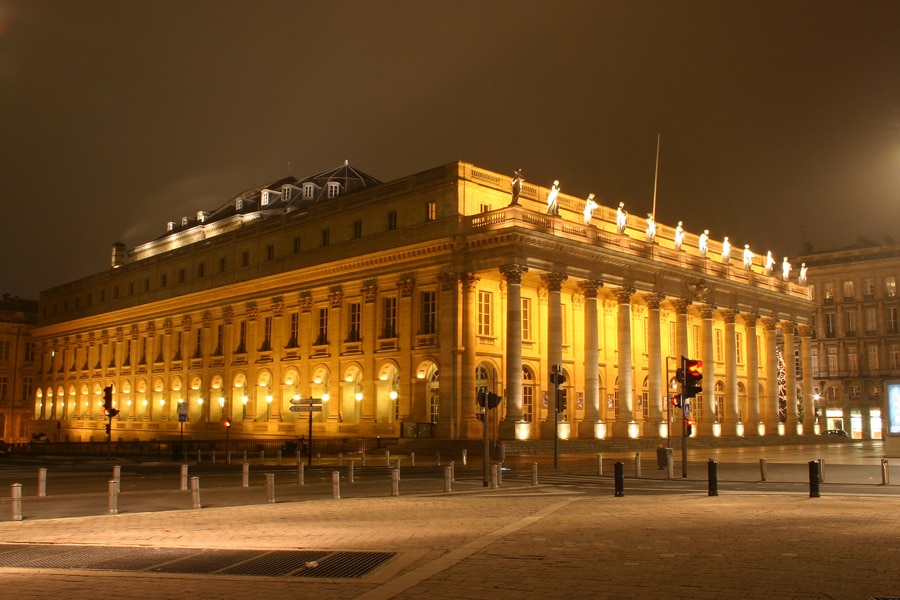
[[790, 376], [809, 411], [654, 427], [709, 372], [470, 427], [591, 427], [771, 417], [681, 328], [450, 356], [752, 419], [513, 393], [732, 423], [554, 282], [625, 425], [275, 411]]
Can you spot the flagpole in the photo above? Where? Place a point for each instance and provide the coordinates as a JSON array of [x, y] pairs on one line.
[[656, 176]]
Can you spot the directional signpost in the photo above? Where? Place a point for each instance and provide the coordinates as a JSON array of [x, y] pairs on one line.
[[307, 405]]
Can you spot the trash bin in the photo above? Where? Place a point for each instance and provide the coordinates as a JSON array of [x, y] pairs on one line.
[[500, 452], [661, 457]]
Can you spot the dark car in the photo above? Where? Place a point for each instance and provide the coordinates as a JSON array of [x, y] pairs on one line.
[[5, 449], [839, 432]]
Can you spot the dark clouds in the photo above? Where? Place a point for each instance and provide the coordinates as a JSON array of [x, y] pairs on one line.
[[780, 121]]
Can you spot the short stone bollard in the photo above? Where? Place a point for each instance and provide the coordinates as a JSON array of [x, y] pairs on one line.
[[228, 457], [270, 488], [448, 479], [397, 464], [336, 485], [885, 472], [763, 470], [670, 464], [387, 458], [350, 478], [299, 456], [184, 478], [499, 474], [300, 473], [195, 492], [112, 505], [637, 464], [42, 482], [465, 456], [620, 479], [495, 476], [534, 473], [245, 475], [278, 456], [453, 471], [117, 477], [395, 482], [15, 502]]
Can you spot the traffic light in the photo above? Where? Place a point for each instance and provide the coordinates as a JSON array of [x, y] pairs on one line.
[[481, 398], [688, 427], [693, 375], [679, 376], [108, 409], [493, 400], [108, 429], [676, 400], [557, 378], [561, 405], [227, 423]]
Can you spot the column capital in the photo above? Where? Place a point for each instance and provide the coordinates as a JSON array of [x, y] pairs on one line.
[[306, 303], [554, 281], [278, 306], [770, 323], [654, 299], [624, 294], [729, 314], [682, 305], [590, 287], [750, 319], [513, 273], [406, 287], [804, 330], [369, 292], [447, 280], [469, 281], [707, 310], [336, 298], [788, 327]]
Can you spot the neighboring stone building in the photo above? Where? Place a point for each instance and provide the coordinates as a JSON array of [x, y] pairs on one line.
[[17, 367], [857, 334], [396, 302]]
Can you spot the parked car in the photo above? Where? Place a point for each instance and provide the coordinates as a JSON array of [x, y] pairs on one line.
[[839, 432], [5, 449]]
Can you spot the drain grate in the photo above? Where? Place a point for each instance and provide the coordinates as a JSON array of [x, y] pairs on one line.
[[273, 563]]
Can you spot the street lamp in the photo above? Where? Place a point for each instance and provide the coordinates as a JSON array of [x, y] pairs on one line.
[[268, 404], [244, 401]]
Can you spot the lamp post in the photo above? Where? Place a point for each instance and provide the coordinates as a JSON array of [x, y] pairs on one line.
[[244, 400], [268, 404]]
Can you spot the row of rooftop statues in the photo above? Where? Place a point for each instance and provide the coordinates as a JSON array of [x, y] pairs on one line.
[[591, 205]]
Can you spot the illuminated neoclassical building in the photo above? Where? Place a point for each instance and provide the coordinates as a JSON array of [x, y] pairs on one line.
[[395, 302]]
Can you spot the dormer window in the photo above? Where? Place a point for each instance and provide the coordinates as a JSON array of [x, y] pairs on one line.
[[334, 188], [287, 192], [202, 216], [185, 221], [268, 196], [309, 190], [170, 226], [239, 204]]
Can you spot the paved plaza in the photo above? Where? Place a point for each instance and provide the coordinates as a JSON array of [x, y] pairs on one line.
[[553, 540]]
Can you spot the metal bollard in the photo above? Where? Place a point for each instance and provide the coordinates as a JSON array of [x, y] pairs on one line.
[[448, 480], [821, 470], [199, 456], [813, 479], [279, 457], [465, 456], [245, 475], [620, 478], [534, 473], [340, 459], [184, 478], [599, 465], [336, 485], [712, 471], [885, 472], [42, 482], [350, 478], [195, 492], [117, 477], [670, 464], [412, 459], [270, 488], [300, 473], [453, 471], [763, 470], [395, 482], [15, 502], [637, 465], [387, 458], [112, 507]]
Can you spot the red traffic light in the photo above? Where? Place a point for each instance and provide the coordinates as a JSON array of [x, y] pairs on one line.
[[227, 423], [693, 375]]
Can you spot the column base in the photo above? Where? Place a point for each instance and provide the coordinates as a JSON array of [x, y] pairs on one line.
[[655, 429], [471, 429], [626, 429], [515, 430], [592, 430], [564, 429]]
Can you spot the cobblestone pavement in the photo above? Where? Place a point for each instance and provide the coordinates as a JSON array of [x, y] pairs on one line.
[[516, 542]]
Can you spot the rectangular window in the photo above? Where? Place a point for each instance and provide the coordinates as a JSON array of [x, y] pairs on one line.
[[431, 211], [485, 300], [30, 351], [270, 252], [873, 357], [198, 346], [392, 220], [334, 188], [828, 291], [832, 362], [130, 290], [389, 317], [868, 288], [221, 264], [357, 229], [673, 339], [526, 319], [4, 388], [848, 290], [220, 335], [181, 275], [294, 331], [720, 352], [201, 270], [814, 360], [322, 337], [163, 280], [27, 388], [267, 335], [242, 338], [739, 346], [355, 322], [695, 340], [891, 319], [429, 312], [4, 349], [850, 323], [296, 245], [871, 320], [894, 356], [146, 288], [890, 286], [830, 325], [326, 237], [245, 258], [852, 360]]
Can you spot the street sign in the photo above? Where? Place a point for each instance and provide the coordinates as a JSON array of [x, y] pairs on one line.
[[687, 409], [183, 408], [182, 417], [308, 408], [306, 401]]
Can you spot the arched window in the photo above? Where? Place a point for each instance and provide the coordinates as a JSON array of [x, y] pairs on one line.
[[527, 395]]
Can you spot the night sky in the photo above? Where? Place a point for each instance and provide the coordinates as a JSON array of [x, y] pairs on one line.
[[779, 120]]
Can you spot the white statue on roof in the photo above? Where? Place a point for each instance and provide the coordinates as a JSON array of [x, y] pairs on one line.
[[516, 185], [553, 199], [679, 236], [785, 269], [703, 243], [748, 257], [621, 218], [589, 207], [651, 227], [802, 278], [726, 250], [770, 263]]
